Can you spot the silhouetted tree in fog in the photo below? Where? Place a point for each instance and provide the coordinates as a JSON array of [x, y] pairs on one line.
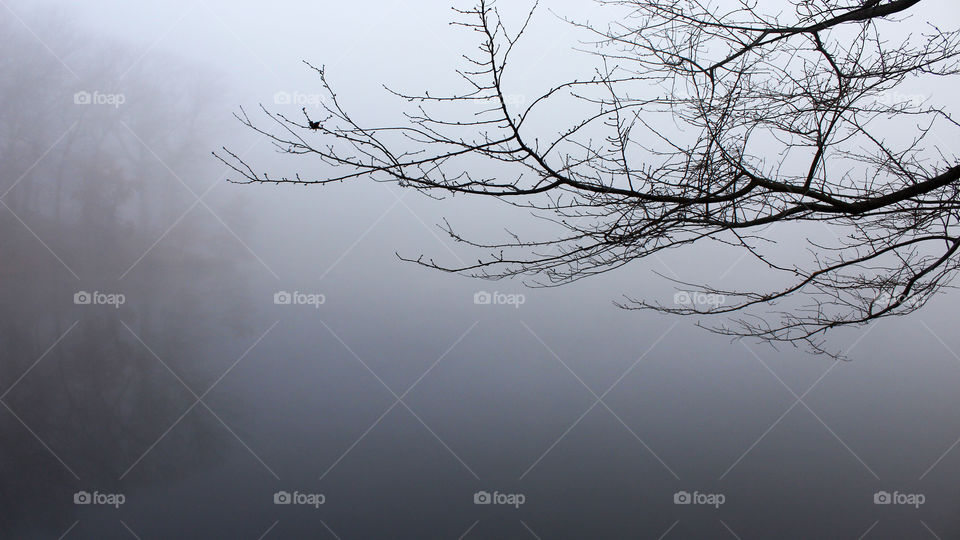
[[85, 191], [700, 123]]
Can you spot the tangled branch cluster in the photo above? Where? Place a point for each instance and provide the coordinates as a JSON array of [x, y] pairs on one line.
[[775, 118]]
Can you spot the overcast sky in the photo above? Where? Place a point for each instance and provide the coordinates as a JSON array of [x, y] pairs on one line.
[[503, 398]]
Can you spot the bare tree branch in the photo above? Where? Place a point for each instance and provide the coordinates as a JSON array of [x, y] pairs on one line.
[[776, 119]]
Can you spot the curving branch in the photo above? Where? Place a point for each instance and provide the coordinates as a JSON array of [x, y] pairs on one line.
[[702, 125]]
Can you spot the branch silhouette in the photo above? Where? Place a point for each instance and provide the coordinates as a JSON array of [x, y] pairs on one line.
[[776, 119]]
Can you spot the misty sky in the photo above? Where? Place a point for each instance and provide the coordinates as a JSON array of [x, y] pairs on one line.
[[398, 398]]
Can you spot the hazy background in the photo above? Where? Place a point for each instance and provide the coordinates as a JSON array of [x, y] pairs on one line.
[[199, 398]]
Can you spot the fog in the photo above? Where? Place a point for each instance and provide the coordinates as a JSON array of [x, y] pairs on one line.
[[149, 355]]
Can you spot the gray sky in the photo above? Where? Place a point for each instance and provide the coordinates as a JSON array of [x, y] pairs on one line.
[[511, 403]]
